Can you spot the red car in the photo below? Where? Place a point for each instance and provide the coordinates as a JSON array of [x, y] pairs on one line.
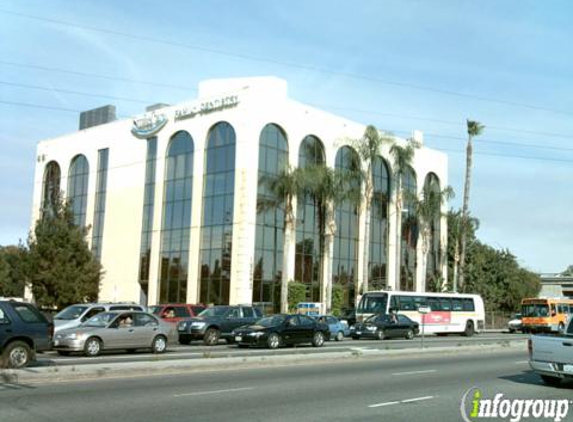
[[175, 312]]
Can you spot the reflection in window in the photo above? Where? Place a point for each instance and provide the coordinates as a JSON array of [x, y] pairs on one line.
[[78, 188], [273, 158], [217, 227], [378, 226], [345, 257], [308, 240], [176, 225], [99, 212], [147, 224], [51, 187], [409, 232]]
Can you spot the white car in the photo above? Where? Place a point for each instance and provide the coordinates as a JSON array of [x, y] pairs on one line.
[[515, 324]]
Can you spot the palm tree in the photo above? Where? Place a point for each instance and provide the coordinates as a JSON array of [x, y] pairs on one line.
[[283, 188], [368, 149], [429, 208], [474, 129], [403, 157], [455, 222]]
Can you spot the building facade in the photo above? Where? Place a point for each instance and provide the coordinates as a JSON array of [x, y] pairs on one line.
[[173, 200]]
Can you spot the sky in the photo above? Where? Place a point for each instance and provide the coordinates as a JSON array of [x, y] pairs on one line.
[[399, 65]]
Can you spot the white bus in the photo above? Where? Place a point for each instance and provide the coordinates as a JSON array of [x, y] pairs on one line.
[[449, 312]]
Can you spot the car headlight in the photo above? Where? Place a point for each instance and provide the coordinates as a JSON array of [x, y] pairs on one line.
[[197, 324], [256, 334], [71, 336]]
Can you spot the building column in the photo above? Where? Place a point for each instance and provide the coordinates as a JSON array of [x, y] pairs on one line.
[[393, 221], [194, 266]]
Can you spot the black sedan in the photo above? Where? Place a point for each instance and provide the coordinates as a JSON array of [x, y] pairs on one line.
[[282, 330], [385, 326]]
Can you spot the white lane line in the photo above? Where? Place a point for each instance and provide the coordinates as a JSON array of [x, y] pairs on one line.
[[417, 399], [136, 357], [415, 372], [389, 403], [202, 393]]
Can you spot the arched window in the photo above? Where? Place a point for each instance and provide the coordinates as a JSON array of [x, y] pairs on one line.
[[269, 244], [78, 178], [308, 239], [345, 257], [217, 226], [51, 187], [409, 231], [433, 273], [379, 225], [176, 223]]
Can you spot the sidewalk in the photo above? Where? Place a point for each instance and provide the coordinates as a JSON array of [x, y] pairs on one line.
[[130, 369]]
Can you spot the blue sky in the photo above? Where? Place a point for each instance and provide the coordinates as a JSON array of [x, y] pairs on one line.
[[400, 65]]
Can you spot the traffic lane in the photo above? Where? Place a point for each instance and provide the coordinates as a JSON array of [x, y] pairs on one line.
[[200, 351], [341, 391]]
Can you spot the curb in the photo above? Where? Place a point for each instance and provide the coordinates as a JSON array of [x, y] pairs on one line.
[[67, 373]]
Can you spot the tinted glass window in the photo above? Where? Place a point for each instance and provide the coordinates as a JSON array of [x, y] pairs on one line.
[[181, 311], [248, 313], [71, 312], [3, 317], [144, 320], [406, 303], [468, 305], [197, 309], [258, 313], [331, 320], [403, 319], [434, 304], [125, 308], [28, 314], [306, 321], [420, 301], [235, 313], [445, 304], [92, 312], [457, 305]]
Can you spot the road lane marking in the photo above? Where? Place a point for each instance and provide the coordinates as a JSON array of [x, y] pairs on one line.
[[390, 403], [415, 372], [202, 393]]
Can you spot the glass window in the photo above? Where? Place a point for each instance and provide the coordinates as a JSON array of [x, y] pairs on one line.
[[457, 305], [406, 303], [403, 319], [145, 320], [3, 317], [51, 186], [78, 188], [445, 304], [468, 304], [305, 321], [28, 313], [248, 313]]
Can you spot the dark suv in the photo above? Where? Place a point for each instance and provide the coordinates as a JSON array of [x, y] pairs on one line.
[[217, 322], [23, 332]]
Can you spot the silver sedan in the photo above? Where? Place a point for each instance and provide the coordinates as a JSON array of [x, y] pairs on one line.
[[116, 330]]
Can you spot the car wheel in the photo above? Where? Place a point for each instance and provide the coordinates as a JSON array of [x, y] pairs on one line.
[[470, 330], [159, 344], [339, 336], [17, 355], [211, 337], [92, 347], [551, 381], [380, 334], [273, 341], [318, 339], [63, 353], [409, 334]]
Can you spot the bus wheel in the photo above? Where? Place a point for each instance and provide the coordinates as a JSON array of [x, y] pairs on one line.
[[470, 330]]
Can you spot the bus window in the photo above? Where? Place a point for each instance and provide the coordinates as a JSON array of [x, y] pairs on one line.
[[406, 303], [434, 303], [469, 305], [457, 305], [445, 304], [394, 303], [420, 301]]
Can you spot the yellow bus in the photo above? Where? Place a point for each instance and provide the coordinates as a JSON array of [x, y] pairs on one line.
[[545, 314]]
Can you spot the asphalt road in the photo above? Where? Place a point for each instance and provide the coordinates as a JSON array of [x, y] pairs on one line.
[[427, 388], [199, 351]]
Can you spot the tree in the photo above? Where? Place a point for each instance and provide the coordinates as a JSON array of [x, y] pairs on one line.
[[283, 188], [368, 149], [474, 129], [429, 208], [403, 157], [60, 267], [12, 279]]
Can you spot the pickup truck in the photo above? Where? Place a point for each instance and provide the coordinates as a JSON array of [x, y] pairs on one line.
[[551, 356]]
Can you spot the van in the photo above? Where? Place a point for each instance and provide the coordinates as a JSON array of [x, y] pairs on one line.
[[77, 314]]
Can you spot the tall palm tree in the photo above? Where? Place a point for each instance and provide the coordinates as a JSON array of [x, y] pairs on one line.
[[368, 149], [283, 188], [403, 157], [429, 208], [474, 129]]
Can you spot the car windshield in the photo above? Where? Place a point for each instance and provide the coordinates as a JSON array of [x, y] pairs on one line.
[[71, 313], [375, 304], [271, 321], [100, 320], [535, 310], [216, 311], [372, 318]]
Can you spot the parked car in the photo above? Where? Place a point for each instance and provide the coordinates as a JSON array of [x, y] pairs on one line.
[[384, 326], [75, 315], [278, 330], [515, 324], [115, 330], [217, 322], [550, 355], [23, 332], [175, 312], [338, 329]]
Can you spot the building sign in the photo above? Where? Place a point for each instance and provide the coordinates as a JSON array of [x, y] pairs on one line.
[[148, 125], [204, 107]]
